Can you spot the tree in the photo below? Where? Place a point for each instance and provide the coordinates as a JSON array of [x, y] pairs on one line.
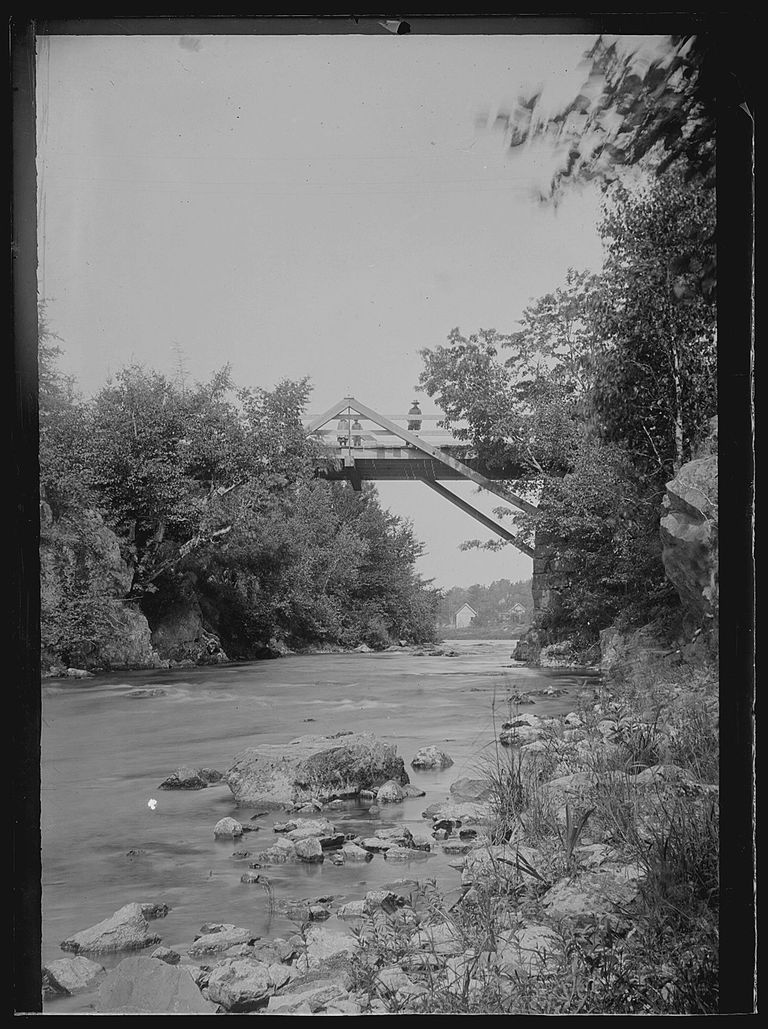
[[64, 474], [656, 379], [603, 550], [522, 410], [159, 456], [651, 101], [212, 496]]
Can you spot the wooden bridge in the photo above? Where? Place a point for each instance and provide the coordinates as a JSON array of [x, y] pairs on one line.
[[368, 446]]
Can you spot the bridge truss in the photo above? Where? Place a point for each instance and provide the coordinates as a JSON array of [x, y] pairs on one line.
[[382, 450]]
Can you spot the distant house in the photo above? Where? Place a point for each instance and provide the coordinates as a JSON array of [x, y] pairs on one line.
[[464, 616], [517, 613]]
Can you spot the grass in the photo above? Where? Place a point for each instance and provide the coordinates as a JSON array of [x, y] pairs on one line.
[[661, 958]]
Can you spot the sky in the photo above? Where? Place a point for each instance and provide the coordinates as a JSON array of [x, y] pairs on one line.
[[320, 206]]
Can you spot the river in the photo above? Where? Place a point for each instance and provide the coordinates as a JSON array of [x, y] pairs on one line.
[[104, 754]]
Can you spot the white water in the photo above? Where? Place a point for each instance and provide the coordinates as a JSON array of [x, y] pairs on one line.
[[104, 755]]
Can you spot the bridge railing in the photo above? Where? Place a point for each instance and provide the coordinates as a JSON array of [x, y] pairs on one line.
[[371, 436]]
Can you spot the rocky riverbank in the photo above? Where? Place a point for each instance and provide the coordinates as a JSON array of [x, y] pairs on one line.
[[586, 876]]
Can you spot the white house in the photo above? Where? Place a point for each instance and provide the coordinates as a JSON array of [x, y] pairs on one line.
[[517, 613], [464, 616]]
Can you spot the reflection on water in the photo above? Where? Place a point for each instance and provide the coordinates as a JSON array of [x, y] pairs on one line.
[[104, 753]]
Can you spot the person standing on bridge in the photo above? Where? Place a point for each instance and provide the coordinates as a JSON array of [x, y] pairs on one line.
[[343, 432], [414, 417]]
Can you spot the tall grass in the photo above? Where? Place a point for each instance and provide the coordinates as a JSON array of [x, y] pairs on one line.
[[660, 957]]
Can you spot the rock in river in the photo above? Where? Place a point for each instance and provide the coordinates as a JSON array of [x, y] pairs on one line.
[[185, 779], [431, 757], [217, 938], [313, 768], [243, 985], [126, 929], [309, 850], [143, 985], [68, 976], [227, 828], [390, 792]]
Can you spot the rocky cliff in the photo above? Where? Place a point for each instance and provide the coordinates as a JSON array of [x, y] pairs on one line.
[[689, 536], [85, 620]]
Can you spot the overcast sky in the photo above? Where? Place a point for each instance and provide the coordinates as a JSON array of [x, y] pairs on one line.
[[318, 206]]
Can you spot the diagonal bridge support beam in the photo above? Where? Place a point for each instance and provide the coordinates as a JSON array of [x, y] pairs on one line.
[[479, 516], [349, 403]]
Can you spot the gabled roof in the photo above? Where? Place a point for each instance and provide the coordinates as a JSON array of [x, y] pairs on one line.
[[468, 607]]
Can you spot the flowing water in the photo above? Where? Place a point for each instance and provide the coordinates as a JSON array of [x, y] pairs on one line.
[[104, 754]]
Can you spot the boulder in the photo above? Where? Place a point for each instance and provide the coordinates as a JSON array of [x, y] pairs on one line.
[[454, 847], [592, 855], [528, 648], [569, 789], [431, 757], [308, 827], [563, 654], [441, 938], [317, 998], [68, 976], [227, 828], [278, 853], [170, 957], [506, 862], [520, 730], [322, 944], [606, 893], [126, 929], [393, 981], [459, 812], [398, 853], [351, 852], [179, 632], [390, 793], [471, 789], [309, 850], [151, 911], [353, 909], [689, 538], [141, 985], [217, 938], [184, 779], [305, 910], [527, 950], [313, 768], [397, 834], [376, 845], [83, 549], [242, 984]]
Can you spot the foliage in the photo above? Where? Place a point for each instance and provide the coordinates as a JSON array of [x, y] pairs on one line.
[[64, 473], [521, 418], [212, 496], [315, 563], [558, 338], [656, 381], [609, 388], [598, 532], [639, 101]]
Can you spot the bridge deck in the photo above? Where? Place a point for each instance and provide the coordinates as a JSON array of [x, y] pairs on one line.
[[393, 463], [382, 449]]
